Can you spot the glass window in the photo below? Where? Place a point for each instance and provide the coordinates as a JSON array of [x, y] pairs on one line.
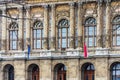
[[88, 71], [63, 34], [38, 35], [116, 31], [90, 32], [115, 71], [13, 36]]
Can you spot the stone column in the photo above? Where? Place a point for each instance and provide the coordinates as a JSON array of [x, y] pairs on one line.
[[45, 44], [80, 26], [4, 30], [99, 25], [53, 40], [108, 30], [20, 30], [27, 24], [72, 25]]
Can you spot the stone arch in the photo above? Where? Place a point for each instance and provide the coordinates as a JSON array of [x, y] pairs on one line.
[[8, 72], [33, 72], [60, 72], [87, 71]]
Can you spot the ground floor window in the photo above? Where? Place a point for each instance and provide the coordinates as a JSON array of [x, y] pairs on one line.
[[115, 71], [60, 72], [8, 72], [33, 72], [88, 71]]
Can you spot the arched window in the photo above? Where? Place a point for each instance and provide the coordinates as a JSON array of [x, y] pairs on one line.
[[60, 72], [115, 71], [116, 31], [63, 34], [38, 35], [8, 72], [90, 32], [33, 72], [88, 71], [13, 36]]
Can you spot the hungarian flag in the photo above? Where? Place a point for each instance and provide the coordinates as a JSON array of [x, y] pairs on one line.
[[85, 51]]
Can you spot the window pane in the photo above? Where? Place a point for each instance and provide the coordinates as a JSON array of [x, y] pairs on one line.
[[63, 43], [118, 40], [15, 35], [90, 41], [34, 33], [63, 32], [38, 44], [91, 30], [38, 33], [14, 45]]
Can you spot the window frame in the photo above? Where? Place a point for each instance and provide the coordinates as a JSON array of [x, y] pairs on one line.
[[13, 29], [37, 27], [87, 36], [60, 37], [115, 35]]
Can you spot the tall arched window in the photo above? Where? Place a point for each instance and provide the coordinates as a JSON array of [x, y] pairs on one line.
[[115, 71], [60, 72], [116, 31], [38, 35], [13, 36], [8, 72], [88, 71], [63, 34], [90, 32]]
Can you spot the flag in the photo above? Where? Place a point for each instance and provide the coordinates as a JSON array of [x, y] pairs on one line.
[[85, 51], [28, 51]]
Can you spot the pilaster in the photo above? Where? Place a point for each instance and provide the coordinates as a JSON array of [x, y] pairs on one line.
[[99, 25], [20, 30], [80, 26], [108, 25], [27, 24], [4, 30], [45, 44], [53, 26], [72, 25]]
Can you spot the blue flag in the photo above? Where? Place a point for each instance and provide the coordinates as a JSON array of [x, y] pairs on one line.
[[28, 51]]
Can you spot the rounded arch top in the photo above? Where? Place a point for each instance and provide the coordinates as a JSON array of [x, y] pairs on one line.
[[60, 66], [115, 65], [32, 66], [88, 66], [116, 19], [7, 67], [90, 21], [38, 24], [13, 25], [63, 23]]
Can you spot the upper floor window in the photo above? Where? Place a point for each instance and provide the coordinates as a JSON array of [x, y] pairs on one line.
[[63, 34], [13, 36], [116, 31], [38, 35], [90, 32]]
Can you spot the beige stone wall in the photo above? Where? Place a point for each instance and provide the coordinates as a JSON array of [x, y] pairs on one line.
[[74, 72]]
